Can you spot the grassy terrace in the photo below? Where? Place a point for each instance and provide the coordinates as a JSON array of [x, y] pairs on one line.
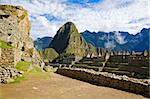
[[5, 45], [30, 71]]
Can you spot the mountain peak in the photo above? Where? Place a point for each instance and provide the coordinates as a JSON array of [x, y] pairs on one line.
[[69, 23], [68, 28], [68, 40]]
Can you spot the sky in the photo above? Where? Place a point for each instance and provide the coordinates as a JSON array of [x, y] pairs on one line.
[[47, 16]]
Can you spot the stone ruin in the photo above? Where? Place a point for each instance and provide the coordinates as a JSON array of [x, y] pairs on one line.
[[15, 31], [7, 58], [135, 64]]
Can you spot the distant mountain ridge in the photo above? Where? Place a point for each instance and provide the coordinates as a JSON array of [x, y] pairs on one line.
[[116, 41], [119, 41], [42, 43]]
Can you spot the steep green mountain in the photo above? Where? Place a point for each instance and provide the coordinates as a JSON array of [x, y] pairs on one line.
[[49, 54], [69, 41]]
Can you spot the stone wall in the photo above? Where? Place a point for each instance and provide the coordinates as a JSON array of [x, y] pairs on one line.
[[104, 79], [7, 58], [8, 74], [119, 58], [136, 60], [15, 30]]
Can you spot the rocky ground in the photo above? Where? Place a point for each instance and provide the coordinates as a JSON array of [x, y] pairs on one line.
[[60, 87]]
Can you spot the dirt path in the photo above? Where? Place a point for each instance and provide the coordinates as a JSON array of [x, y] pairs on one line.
[[60, 87]]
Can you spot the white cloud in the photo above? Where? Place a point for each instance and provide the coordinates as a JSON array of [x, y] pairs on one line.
[[42, 27], [110, 45], [120, 39], [108, 15]]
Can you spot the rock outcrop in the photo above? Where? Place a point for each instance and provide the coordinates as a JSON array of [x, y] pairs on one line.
[[15, 30], [69, 41]]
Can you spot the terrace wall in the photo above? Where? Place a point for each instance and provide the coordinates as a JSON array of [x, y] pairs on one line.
[[99, 79]]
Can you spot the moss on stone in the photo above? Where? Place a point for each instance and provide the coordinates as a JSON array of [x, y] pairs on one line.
[[5, 45]]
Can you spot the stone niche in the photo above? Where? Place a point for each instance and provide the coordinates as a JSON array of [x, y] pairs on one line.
[[7, 57]]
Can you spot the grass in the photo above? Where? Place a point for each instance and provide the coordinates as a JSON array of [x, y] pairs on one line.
[[5, 45], [18, 79], [36, 72], [23, 66]]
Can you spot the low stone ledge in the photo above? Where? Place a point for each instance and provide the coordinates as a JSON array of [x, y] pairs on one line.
[[125, 83]]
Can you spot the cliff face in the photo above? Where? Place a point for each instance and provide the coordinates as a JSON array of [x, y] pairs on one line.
[[15, 30], [69, 41]]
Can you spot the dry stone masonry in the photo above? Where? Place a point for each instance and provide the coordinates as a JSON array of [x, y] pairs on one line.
[[8, 74], [15, 30], [7, 58], [138, 86]]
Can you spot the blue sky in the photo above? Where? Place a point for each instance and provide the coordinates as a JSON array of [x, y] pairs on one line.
[[84, 1], [47, 16]]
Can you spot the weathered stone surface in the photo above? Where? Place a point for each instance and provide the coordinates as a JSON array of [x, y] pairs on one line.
[[15, 30], [7, 57]]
